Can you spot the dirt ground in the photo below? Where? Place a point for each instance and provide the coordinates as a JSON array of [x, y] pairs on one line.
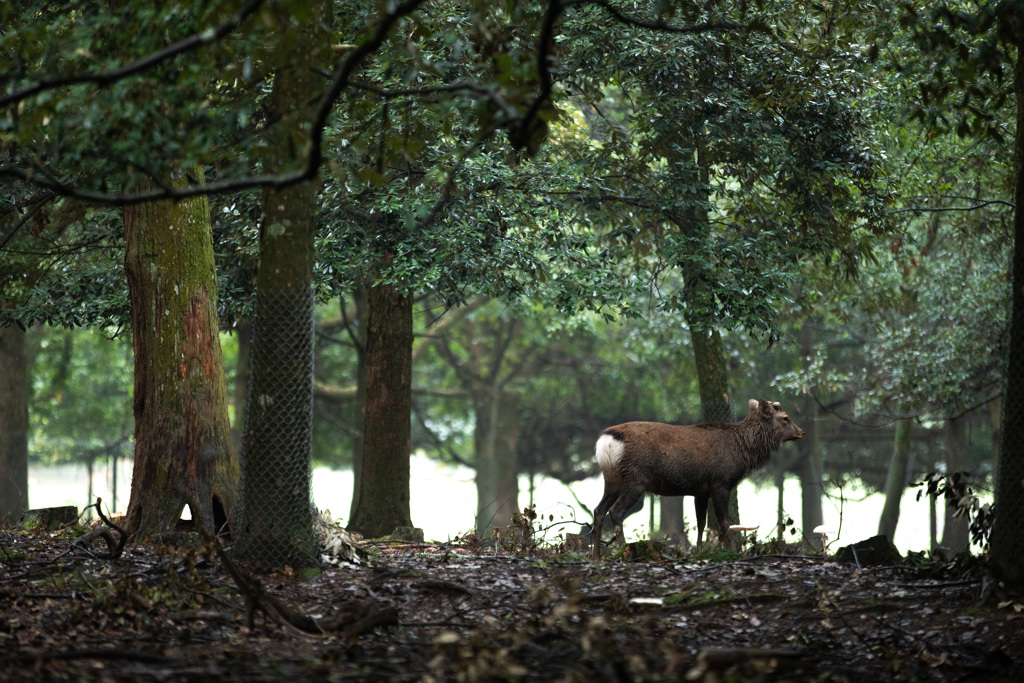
[[413, 611]]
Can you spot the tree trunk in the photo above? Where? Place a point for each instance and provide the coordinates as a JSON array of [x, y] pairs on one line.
[[242, 366], [809, 468], [277, 528], [780, 507], [933, 524], [712, 375], [896, 481], [672, 522], [1007, 540], [384, 484], [184, 451], [995, 416], [497, 471], [809, 471], [715, 400], [13, 425], [360, 295]]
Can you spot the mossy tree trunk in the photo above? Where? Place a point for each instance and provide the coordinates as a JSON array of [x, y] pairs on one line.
[[384, 482], [708, 350], [715, 400], [184, 451], [13, 425], [277, 528]]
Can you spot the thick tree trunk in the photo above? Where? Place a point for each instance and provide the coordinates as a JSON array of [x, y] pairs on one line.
[[1007, 540], [497, 471], [277, 528], [995, 420], [184, 451], [715, 400], [384, 484], [712, 375], [13, 425], [896, 481]]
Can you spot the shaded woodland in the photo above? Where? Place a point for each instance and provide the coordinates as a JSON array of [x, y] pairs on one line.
[[241, 239]]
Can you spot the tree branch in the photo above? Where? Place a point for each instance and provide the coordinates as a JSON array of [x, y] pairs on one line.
[[660, 24], [205, 37], [980, 205], [488, 93], [330, 96]]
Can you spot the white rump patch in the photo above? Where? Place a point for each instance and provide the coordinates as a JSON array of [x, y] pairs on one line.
[[609, 452]]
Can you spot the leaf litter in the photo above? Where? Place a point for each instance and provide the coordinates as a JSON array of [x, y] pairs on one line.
[[455, 612]]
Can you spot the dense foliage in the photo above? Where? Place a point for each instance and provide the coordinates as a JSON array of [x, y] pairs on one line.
[[586, 180]]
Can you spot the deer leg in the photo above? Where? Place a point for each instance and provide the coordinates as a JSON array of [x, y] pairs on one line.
[[609, 497], [700, 506], [720, 499], [621, 507]]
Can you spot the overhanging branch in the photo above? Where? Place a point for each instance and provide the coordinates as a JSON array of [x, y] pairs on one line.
[[205, 37], [659, 24], [338, 83]]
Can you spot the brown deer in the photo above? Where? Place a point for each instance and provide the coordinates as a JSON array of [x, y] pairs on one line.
[[705, 461]]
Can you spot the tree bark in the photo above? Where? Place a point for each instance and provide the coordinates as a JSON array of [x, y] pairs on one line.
[[715, 401], [896, 481], [810, 468], [184, 451], [360, 295], [497, 471], [384, 484], [277, 528], [672, 520], [13, 425], [810, 473], [1006, 544], [241, 389]]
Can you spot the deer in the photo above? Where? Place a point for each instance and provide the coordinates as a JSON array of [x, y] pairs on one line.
[[705, 461]]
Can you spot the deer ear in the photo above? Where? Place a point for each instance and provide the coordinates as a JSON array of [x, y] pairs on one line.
[[752, 404], [766, 407]]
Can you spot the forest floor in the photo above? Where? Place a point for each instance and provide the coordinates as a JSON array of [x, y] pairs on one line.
[[418, 611]]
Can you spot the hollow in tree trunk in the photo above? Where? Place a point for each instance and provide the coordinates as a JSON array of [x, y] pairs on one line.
[[184, 451]]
